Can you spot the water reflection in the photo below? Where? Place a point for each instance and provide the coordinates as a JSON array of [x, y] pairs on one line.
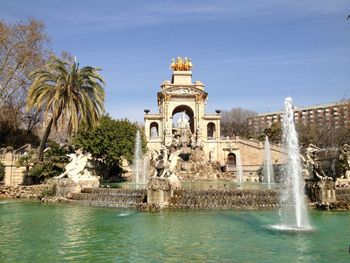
[[75, 232], [41, 233], [302, 245]]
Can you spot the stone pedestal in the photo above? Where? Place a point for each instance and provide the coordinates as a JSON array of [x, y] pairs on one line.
[[67, 186], [158, 192], [320, 191]]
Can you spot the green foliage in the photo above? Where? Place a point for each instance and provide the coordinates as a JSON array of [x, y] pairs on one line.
[[274, 132], [27, 159], [2, 171], [53, 164], [109, 141], [68, 93]]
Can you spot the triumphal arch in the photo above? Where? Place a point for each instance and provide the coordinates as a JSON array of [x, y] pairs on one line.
[[182, 120]]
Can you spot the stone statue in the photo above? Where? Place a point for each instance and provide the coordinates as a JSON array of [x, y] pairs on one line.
[[154, 132], [183, 121], [77, 175], [165, 168], [308, 161], [78, 167], [343, 161], [173, 65], [158, 160], [176, 139], [180, 63], [174, 158], [311, 164], [189, 64], [193, 140]]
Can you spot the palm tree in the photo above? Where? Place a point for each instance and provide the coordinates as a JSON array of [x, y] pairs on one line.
[[67, 93]]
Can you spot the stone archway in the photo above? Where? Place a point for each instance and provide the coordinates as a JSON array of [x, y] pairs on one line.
[[231, 162], [188, 111], [211, 132]]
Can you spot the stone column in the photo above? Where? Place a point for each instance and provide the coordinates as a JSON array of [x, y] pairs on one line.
[[8, 168]]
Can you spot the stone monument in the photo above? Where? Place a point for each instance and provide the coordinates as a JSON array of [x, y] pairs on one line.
[[319, 186], [78, 174], [164, 181], [197, 133]]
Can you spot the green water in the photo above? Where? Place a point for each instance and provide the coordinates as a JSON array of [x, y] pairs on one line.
[[36, 232]]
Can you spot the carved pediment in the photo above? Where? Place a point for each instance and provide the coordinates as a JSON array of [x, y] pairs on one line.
[[183, 91]]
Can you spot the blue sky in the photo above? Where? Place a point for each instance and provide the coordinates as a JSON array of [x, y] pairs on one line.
[[249, 54]]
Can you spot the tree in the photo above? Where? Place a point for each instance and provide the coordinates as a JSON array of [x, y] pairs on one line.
[[323, 136], [2, 171], [109, 142], [55, 159], [24, 46], [274, 133], [236, 122], [68, 94]]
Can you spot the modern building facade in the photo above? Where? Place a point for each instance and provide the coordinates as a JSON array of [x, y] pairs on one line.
[[333, 115]]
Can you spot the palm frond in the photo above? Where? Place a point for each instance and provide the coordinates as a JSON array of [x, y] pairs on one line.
[[63, 90]]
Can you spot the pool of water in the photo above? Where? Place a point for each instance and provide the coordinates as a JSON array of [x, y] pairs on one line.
[[37, 232]]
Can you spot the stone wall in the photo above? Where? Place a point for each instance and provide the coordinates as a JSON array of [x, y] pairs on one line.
[[14, 174], [343, 194], [192, 198], [31, 192]]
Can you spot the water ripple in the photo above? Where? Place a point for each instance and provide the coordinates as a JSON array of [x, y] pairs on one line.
[[32, 232]]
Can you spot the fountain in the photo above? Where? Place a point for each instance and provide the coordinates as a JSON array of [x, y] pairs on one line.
[[239, 170], [293, 210], [267, 168], [139, 167]]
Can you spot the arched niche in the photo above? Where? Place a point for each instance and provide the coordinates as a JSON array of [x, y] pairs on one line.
[[211, 131], [154, 130], [188, 111], [231, 161]]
